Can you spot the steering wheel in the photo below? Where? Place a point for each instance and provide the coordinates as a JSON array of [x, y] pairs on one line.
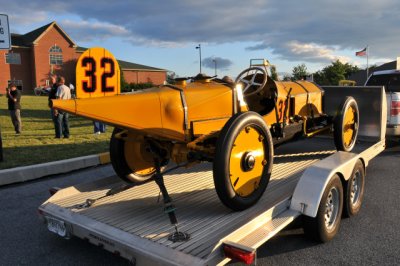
[[248, 77]]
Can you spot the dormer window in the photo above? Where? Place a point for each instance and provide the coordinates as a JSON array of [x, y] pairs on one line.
[[55, 55]]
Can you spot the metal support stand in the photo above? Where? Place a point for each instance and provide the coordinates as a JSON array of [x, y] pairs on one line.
[[169, 208]]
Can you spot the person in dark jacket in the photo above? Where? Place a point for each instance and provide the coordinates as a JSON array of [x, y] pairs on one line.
[[52, 96], [14, 106]]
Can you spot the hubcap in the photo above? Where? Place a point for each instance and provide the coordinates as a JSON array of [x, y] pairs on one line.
[[248, 161], [355, 189], [349, 126], [331, 208], [137, 157]]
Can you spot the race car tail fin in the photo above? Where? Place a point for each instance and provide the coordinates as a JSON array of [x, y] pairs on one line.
[[97, 74]]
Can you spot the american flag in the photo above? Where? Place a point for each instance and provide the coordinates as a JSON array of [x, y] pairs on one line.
[[363, 52]]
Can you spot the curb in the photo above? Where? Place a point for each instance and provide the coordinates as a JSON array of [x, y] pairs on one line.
[[31, 172]]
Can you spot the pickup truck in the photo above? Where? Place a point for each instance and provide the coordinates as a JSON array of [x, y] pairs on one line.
[[391, 80]]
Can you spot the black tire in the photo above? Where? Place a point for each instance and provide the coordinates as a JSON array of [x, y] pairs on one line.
[[342, 127], [354, 188], [318, 228], [228, 193], [121, 164]]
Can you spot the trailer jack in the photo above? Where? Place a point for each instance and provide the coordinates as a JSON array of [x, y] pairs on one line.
[[169, 208]]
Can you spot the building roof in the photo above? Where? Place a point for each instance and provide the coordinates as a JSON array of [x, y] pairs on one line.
[[125, 65], [32, 37], [133, 66], [360, 77]]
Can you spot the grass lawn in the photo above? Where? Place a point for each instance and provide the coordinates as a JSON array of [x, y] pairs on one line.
[[37, 144]]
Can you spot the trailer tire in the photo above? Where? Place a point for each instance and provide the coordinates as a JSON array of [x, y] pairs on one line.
[[354, 188], [345, 125], [326, 224], [243, 161]]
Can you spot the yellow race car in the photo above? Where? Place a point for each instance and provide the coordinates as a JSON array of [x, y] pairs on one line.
[[234, 125]]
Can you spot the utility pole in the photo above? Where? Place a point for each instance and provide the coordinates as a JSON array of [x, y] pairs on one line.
[[199, 47], [215, 66]]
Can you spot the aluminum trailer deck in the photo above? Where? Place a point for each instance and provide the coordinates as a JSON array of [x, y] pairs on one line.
[[132, 223]]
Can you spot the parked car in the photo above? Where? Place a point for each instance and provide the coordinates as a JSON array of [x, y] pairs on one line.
[[391, 80]]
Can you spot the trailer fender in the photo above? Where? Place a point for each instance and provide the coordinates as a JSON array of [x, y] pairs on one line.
[[311, 186]]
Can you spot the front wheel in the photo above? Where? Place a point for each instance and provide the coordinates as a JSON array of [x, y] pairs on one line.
[[345, 126], [243, 161]]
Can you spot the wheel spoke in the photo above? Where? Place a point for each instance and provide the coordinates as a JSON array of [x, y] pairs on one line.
[[244, 81]]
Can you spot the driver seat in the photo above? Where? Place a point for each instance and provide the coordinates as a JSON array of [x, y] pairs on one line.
[[264, 101]]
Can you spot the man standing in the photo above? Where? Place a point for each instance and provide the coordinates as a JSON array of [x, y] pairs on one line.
[[14, 106], [63, 93], [52, 96]]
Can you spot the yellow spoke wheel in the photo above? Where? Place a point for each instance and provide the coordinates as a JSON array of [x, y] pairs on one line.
[[243, 161], [130, 157], [346, 125]]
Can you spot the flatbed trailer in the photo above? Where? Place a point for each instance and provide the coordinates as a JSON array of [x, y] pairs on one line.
[[132, 224]]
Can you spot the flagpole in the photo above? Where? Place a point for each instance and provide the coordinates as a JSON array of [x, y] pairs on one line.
[[367, 62]]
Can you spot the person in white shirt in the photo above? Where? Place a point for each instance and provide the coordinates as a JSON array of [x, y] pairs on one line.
[[63, 93]]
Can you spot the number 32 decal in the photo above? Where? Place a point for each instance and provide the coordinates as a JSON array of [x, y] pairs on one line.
[[90, 64], [97, 74]]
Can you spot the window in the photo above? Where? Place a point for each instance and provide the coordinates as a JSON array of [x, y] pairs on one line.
[[390, 81], [13, 58], [56, 57], [16, 82], [55, 49]]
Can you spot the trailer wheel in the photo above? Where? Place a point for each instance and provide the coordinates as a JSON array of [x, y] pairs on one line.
[[129, 157], [354, 190], [243, 161], [345, 126], [326, 224]]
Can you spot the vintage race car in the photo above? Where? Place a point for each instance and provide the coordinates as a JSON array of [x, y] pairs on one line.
[[234, 125]]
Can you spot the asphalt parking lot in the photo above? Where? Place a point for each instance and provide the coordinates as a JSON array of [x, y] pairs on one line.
[[371, 238]]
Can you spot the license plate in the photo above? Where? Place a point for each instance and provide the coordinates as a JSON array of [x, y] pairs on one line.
[[56, 226]]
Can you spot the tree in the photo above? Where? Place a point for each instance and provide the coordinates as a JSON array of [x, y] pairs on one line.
[[287, 77], [274, 74], [299, 72], [123, 83], [171, 75], [331, 74]]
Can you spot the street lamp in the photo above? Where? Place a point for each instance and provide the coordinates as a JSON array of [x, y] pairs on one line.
[[215, 66], [199, 47]]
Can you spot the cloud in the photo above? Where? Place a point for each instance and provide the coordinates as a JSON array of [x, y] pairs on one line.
[[312, 52], [308, 30], [87, 30], [221, 63]]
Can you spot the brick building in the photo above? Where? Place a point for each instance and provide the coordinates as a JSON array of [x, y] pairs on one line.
[[48, 49]]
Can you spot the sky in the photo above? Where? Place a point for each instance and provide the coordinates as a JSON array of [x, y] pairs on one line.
[[165, 33]]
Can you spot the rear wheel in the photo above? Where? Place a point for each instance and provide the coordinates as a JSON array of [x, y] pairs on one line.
[[243, 161], [346, 125], [131, 157], [326, 224]]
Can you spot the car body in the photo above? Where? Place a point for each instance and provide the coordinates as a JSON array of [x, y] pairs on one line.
[[390, 79], [202, 118]]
